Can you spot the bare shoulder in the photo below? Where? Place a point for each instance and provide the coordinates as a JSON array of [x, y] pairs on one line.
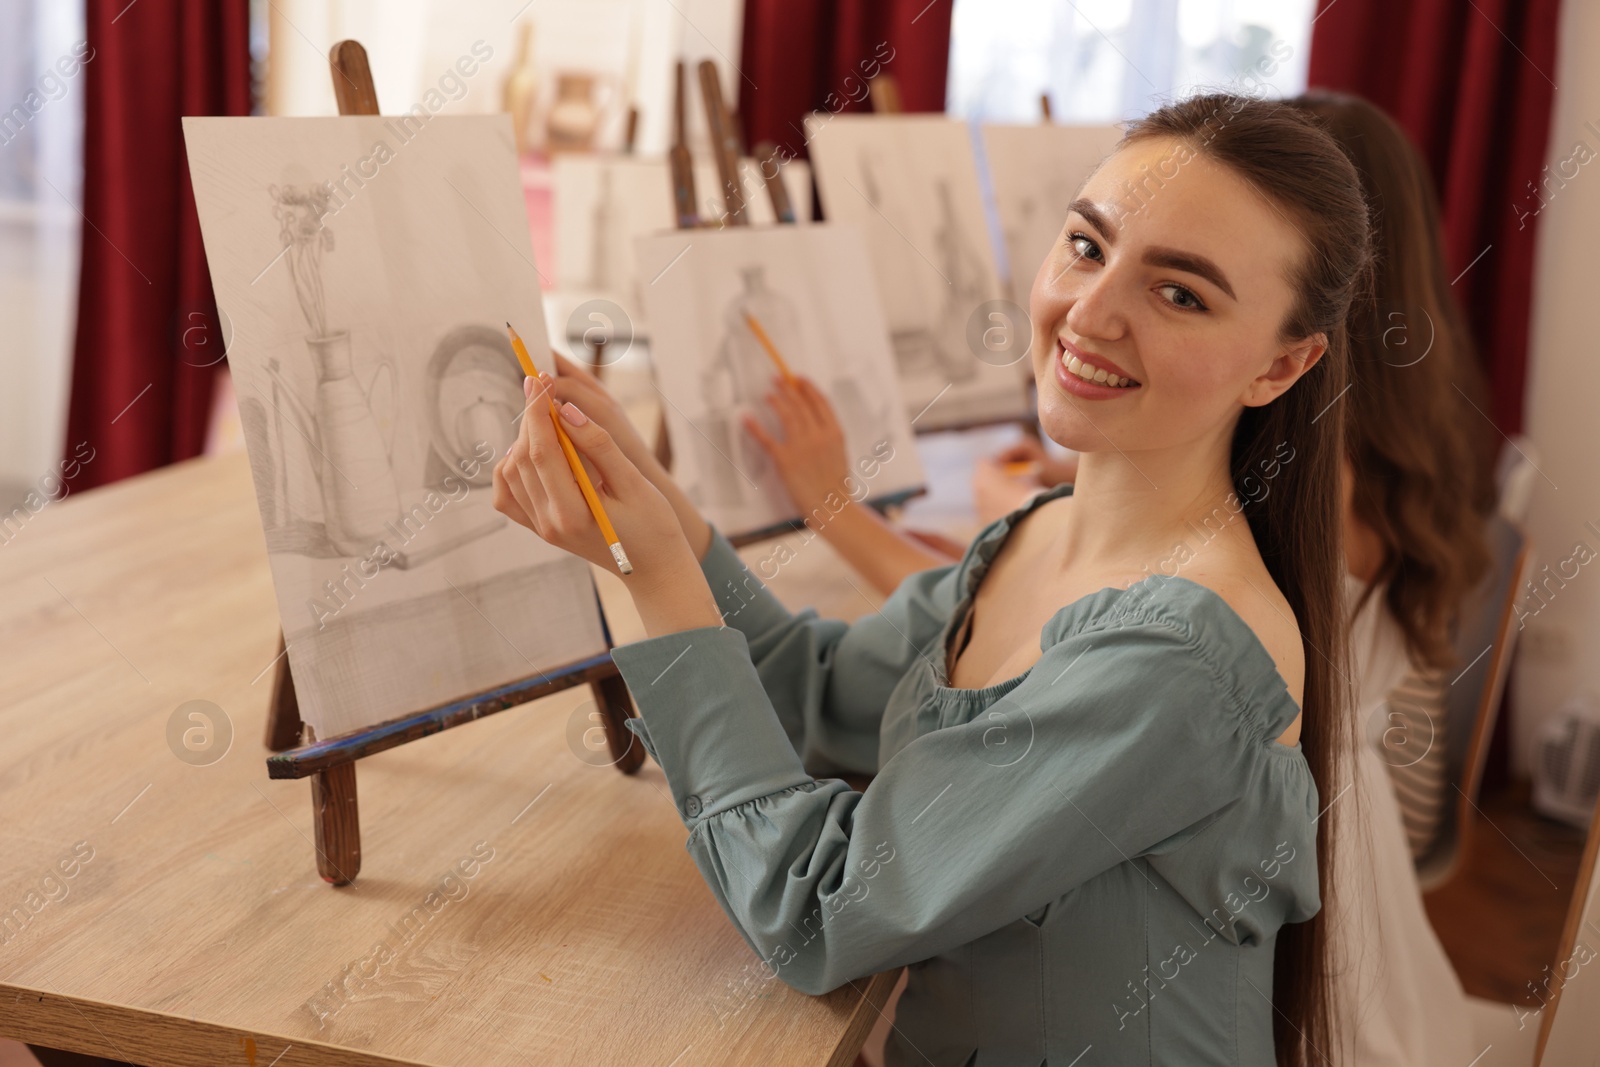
[[1245, 585]]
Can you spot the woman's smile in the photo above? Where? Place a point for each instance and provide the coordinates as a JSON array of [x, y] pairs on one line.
[[1087, 375]]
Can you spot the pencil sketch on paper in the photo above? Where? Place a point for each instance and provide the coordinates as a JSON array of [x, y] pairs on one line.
[[810, 292], [1036, 171], [911, 184], [367, 277]]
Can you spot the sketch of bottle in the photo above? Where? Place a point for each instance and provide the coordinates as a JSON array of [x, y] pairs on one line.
[[960, 263], [359, 494], [736, 384]]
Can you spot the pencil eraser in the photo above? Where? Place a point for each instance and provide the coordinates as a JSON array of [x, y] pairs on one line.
[[622, 559]]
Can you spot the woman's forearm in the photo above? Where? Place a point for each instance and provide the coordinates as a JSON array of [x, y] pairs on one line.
[[695, 528], [882, 554]]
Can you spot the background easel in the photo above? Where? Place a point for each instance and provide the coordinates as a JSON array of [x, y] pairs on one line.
[[727, 147], [330, 763]]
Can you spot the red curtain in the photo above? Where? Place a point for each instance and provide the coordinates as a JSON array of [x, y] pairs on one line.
[[148, 340], [801, 56], [1472, 84]]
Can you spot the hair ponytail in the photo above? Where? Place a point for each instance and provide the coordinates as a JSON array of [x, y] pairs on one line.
[[1302, 172]]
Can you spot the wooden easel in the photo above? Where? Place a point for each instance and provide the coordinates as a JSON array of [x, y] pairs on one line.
[[726, 146], [330, 763]]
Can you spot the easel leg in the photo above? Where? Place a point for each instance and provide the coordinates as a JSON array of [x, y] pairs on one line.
[[336, 823], [283, 709], [612, 699]]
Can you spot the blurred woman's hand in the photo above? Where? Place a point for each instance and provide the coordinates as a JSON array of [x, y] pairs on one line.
[[810, 456], [1005, 481]]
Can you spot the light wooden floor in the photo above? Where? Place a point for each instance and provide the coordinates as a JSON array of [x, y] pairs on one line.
[[1500, 918]]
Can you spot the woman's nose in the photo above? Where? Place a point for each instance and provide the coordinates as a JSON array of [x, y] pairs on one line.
[[1096, 306]]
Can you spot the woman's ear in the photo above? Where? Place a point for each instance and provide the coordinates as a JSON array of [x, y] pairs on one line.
[[1285, 370]]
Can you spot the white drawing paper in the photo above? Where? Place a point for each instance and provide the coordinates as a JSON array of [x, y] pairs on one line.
[[810, 290], [365, 272], [910, 182], [1036, 171]]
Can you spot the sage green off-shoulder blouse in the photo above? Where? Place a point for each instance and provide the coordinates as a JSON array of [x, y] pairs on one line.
[[1085, 864]]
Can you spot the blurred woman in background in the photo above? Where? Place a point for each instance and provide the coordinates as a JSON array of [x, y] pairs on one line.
[[1418, 491]]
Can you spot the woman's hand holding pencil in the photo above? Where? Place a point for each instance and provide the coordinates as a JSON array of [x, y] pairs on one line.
[[535, 485], [573, 382]]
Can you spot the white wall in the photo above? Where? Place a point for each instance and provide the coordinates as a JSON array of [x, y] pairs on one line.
[[1560, 651], [40, 197]]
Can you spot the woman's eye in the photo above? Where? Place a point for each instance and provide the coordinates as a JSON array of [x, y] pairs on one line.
[[1085, 247], [1179, 297]]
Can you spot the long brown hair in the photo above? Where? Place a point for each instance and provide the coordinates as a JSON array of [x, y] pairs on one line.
[[1421, 465], [1283, 154]]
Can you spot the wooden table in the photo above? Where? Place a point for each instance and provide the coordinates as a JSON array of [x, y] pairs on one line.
[[193, 928]]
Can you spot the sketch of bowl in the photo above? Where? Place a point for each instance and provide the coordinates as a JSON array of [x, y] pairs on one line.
[[474, 391]]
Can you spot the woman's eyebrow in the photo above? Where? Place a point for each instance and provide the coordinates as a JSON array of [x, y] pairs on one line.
[[1096, 218], [1190, 263]]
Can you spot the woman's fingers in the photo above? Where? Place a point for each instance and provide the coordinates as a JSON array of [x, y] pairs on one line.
[[816, 402], [598, 447], [562, 506], [569, 368], [511, 495], [787, 409], [769, 444]]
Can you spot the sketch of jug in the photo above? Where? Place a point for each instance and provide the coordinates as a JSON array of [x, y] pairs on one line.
[[359, 495]]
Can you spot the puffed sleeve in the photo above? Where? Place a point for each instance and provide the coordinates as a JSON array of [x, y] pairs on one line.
[[1121, 741], [827, 680]]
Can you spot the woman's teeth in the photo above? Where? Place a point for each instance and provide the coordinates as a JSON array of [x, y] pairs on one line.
[[1099, 375]]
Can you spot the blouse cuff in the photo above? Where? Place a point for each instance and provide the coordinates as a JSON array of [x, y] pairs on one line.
[[705, 719], [744, 600]]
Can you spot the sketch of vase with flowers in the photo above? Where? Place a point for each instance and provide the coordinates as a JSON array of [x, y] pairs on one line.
[[356, 473]]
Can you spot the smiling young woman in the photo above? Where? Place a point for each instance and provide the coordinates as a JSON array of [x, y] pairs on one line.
[[1104, 739]]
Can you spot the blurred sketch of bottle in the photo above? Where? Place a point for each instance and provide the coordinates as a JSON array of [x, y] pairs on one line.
[[1015, 238], [962, 268], [903, 304], [600, 250], [736, 383]]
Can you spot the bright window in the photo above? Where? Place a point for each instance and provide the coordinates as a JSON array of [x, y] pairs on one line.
[[1108, 60]]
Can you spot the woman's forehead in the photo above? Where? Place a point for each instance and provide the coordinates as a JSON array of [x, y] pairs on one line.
[[1158, 191]]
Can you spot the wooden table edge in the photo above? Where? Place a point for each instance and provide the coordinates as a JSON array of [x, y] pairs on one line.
[[876, 994], [161, 1039]]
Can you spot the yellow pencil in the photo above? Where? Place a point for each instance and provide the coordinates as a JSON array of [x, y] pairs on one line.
[[584, 484], [772, 349]]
